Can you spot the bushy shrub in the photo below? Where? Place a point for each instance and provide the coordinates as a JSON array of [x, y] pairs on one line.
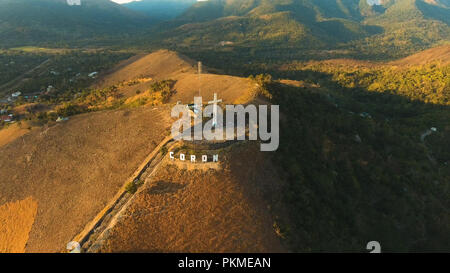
[[70, 109]]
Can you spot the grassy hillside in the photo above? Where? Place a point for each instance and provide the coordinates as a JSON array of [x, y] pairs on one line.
[[356, 161], [136, 76], [69, 171], [197, 210], [352, 165], [440, 55], [351, 168], [87, 144]]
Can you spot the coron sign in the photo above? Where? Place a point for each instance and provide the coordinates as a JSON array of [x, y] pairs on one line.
[[194, 159]]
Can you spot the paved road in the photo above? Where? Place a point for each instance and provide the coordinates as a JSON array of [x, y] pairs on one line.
[[429, 152], [425, 134]]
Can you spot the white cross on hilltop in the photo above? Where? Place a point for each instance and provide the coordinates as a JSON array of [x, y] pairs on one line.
[[214, 103]]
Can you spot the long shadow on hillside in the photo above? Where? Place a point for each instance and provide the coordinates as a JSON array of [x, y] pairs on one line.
[[162, 187], [363, 169], [356, 170]]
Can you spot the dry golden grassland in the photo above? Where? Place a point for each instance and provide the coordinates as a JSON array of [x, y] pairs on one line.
[[180, 210], [16, 220], [12, 132], [143, 70], [72, 169]]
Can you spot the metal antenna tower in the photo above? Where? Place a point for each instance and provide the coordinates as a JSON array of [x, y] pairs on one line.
[[199, 67]]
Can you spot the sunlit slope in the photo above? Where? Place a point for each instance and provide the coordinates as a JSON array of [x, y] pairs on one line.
[[72, 169], [393, 29], [199, 210], [439, 54], [169, 65]]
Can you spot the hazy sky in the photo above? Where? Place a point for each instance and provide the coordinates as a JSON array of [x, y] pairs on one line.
[[122, 1], [374, 2], [127, 1]]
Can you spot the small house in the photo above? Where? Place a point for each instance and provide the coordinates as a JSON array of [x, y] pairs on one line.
[[226, 43], [365, 115], [61, 119], [6, 118], [93, 75], [50, 88]]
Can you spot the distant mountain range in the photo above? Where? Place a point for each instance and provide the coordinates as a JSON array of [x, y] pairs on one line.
[[37, 21], [392, 29], [402, 25]]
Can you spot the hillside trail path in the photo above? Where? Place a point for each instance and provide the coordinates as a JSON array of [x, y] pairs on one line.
[[95, 232], [425, 134], [429, 152], [88, 236]]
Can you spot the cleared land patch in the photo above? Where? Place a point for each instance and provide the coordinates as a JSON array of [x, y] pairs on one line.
[[13, 132], [16, 220]]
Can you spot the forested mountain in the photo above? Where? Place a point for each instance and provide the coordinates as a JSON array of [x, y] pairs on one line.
[[409, 25], [48, 21], [393, 29], [160, 10], [338, 28]]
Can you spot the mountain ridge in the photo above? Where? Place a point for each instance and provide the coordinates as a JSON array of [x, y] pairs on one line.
[[396, 27], [53, 21]]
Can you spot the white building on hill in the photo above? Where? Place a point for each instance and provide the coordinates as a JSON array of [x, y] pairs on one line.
[[93, 74]]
